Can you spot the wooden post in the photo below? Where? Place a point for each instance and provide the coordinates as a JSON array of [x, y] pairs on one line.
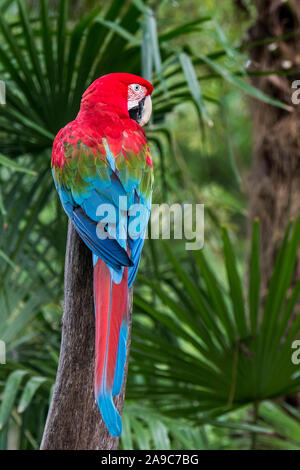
[[74, 421]]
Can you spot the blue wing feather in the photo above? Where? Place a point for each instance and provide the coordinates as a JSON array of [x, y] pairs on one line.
[[108, 249], [82, 209]]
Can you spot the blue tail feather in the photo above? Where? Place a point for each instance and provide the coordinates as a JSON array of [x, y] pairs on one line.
[[110, 414], [121, 359]]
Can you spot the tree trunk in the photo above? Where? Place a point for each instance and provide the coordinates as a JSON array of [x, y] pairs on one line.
[[275, 179], [74, 421]]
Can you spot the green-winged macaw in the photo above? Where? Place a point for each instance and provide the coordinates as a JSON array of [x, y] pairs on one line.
[[103, 173]]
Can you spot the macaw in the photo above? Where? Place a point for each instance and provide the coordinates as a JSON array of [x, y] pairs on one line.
[[101, 160]]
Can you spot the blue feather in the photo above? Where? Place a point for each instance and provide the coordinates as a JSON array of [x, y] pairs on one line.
[[121, 359], [108, 249], [110, 414]]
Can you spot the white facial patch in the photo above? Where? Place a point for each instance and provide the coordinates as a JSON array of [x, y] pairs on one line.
[[139, 103], [136, 93]]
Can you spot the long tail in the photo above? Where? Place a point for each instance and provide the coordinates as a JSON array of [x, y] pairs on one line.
[[111, 304]]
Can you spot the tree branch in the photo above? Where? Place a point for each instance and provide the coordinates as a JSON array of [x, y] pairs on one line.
[[74, 421]]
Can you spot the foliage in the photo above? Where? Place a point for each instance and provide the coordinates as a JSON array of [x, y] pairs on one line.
[[198, 340], [212, 348], [285, 423], [206, 353]]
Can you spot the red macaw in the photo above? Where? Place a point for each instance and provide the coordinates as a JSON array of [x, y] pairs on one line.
[[101, 160]]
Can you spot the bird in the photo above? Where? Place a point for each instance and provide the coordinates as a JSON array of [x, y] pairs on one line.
[[103, 173]]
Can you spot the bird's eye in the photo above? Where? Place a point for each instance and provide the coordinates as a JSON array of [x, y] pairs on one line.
[[136, 87]]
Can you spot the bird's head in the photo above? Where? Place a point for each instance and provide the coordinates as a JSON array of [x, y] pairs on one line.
[[126, 94]]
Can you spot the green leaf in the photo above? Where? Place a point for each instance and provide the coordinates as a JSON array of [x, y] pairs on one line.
[[29, 391], [193, 83], [15, 166], [61, 41], [126, 437], [254, 279], [141, 433], [7, 259], [280, 281], [48, 45], [230, 51], [195, 296], [159, 435], [2, 207], [235, 286], [284, 424], [216, 295], [142, 7], [9, 395], [147, 57], [152, 34], [18, 56], [132, 40], [241, 83], [31, 45], [178, 31]]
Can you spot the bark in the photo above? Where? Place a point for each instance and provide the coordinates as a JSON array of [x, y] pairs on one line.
[[74, 421], [275, 179]]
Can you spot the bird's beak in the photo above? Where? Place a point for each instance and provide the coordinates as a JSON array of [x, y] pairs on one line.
[[147, 111], [141, 112]]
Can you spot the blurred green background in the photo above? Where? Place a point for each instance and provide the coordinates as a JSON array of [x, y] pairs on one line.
[[211, 356]]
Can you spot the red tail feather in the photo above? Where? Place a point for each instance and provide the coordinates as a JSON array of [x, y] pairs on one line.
[[111, 309]]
